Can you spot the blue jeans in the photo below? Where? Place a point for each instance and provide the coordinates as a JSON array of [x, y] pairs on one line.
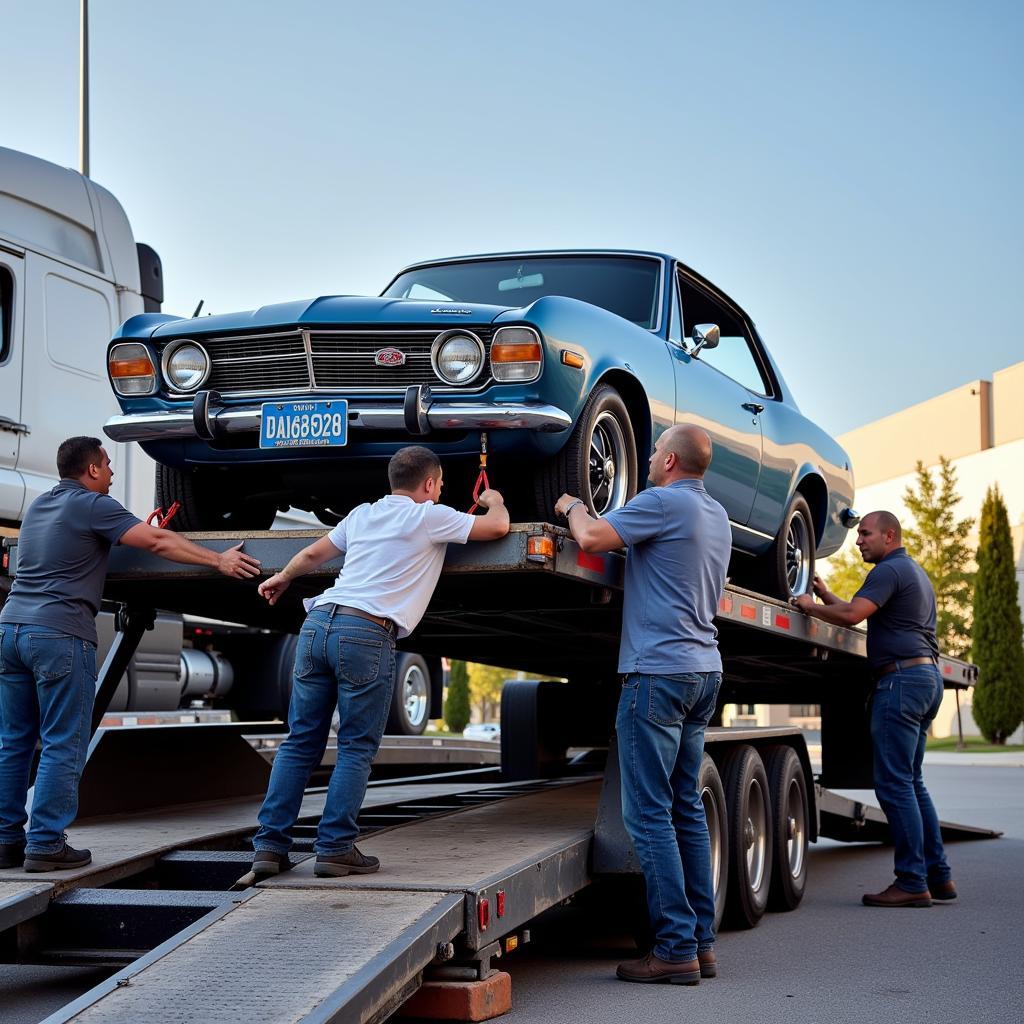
[[341, 661], [47, 688], [660, 727], [904, 704]]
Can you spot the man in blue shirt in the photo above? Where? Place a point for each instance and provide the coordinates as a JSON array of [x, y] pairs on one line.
[[48, 646], [679, 541], [898, 602]]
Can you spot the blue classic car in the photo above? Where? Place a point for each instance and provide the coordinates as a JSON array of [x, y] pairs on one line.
[[572, 363]]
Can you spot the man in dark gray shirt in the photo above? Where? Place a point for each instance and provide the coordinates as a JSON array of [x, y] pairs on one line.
[[48, 646], [679, 541], [898, 602]]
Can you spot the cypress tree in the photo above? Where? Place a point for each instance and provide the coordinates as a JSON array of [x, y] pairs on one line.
[[998, 648], [456, 705]]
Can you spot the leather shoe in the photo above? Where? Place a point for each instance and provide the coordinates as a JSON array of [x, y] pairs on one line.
[[651, 969], [337, 865], [12, 855], [266, 863], [943, 892], [66, 858], [708, 963], [894, 896]]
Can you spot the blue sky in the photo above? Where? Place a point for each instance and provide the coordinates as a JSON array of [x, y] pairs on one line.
[[850, 174]]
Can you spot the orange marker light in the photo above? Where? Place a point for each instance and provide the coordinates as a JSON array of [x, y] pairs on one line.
[[515, 352], [572, 359], [131, 368], [540, 548]]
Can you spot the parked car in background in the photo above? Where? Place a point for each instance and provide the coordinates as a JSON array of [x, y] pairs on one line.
[[482, 731], [571, 362]]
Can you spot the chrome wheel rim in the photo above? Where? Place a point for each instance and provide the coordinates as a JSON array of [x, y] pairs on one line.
[[607, 463], [414, 695], [755, 836], [796, 829], [707, 798], [798, 555]]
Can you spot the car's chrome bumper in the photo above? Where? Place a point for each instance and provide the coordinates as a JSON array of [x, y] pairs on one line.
[[208, 422]]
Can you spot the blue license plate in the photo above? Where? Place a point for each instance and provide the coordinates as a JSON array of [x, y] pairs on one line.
[[304, 424]]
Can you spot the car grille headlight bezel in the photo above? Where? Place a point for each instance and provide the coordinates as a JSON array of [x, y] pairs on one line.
[[204, 366], [450, 338], [131, 369], [517, 358]]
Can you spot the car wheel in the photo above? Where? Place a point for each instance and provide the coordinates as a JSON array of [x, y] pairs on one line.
[[750, 836], [410, 701], [787, 789], [788, 568], [207, 506], [599, 461]]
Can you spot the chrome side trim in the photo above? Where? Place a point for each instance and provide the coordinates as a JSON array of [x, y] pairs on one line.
[[752, 532], [160, 426]]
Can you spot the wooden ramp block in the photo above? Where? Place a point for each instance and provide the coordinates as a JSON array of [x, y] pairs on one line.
[[461, 1000]]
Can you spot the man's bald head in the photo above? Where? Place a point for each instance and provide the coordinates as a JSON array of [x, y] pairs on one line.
[[878, 534], [691, 448], [885, 521]]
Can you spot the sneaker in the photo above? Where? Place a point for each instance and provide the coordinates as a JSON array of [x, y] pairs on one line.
[[65, 859], [335, 865], [266, 863], [12, 855], [894, 896], [708, 963], [651, 969], [943, 892]]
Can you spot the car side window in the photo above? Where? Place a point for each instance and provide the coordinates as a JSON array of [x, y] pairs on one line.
[[6, 312], [735, 354]]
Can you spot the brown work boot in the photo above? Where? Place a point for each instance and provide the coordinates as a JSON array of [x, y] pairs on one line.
[[708, 963], [266, 863], [894, 896], [336, 865], [65, 859], [943, 892], [651, 969]]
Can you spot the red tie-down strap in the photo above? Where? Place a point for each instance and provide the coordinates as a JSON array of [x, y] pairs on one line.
[[161, 519], [482, 483]]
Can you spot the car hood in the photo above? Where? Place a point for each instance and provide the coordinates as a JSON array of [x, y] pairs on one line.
[[333, 310]]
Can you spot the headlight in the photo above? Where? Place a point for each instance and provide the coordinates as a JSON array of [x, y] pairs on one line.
[[516, 354], [186, 365], [131, 369], [457, 356]]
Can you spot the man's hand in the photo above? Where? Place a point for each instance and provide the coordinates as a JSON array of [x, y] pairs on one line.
[[563, 503], [490, 498], [273, 588], [804, 602], [818, 586], [236, 563]]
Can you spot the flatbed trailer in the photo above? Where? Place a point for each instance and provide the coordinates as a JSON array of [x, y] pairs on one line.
[[469, 858]]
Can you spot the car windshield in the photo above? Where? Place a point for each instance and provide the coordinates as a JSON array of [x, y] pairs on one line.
[[625, 285]]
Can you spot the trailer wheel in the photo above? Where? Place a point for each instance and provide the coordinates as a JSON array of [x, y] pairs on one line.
[[712, 796], [410, 701], [787, 789], [533, 735], [207, 506], [598, 462], [750, 837]]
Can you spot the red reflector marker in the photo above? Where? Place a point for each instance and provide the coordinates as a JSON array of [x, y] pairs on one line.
[[483, 913], [748, 611], [595, 563], [499, 902], [725, 605], [947, 670], [782, 621]]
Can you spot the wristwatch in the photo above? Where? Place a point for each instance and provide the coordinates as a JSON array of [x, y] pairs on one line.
[[572, 505]]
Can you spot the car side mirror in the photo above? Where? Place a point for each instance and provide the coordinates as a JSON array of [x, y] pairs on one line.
[[705, 336]]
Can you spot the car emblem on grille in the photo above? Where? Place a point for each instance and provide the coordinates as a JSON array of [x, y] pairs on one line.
[[389, 357], [452, 309]]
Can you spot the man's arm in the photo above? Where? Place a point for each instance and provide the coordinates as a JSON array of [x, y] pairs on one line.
[[495, 522], [176, 548], [591, 534], [836, 611], [308, 559]]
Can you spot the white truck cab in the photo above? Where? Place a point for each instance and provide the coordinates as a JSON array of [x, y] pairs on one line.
[[70, 273]]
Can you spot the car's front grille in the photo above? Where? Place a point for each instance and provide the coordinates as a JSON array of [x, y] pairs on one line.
[[340, 360]]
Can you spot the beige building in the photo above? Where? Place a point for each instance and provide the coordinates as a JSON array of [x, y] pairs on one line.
[[980, 427]]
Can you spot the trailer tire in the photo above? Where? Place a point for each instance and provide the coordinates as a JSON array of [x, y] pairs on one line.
[[207, 507], [533, 736], [712, 795], [750, 836], [410, 699], [790, 812]]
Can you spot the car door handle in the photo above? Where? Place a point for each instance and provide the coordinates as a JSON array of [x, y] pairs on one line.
[[6, 423], [754, 407]]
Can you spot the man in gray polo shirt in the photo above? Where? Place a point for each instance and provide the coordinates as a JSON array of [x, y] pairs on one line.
[[679, 541], [48, 646]]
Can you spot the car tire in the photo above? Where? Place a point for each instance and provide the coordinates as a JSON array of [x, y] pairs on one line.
[[603, 429], [712, 796], [410, 700], [788, 567], [205, 506], [787, 789], [749, 821]]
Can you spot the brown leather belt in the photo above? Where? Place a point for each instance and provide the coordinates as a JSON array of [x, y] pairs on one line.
[[895, 666], [388, 624]]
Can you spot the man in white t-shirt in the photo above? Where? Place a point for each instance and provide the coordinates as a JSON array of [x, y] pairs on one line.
[[394, 549]]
